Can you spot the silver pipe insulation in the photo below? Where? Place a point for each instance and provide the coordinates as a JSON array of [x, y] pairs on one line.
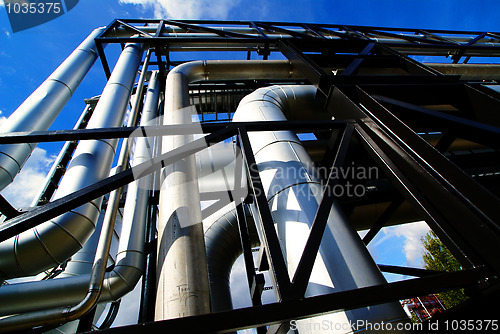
[[41, 108], [131, 252], [223, 244], [469, 71], [293, 194], [85, 257], [182, 280], [52, 242], [119, 85], [81, 262], [31, 296]]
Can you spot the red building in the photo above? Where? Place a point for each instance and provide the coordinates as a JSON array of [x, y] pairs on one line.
[[423, 308]]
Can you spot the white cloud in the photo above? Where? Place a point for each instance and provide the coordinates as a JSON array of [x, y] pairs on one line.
[[187, 9], [21, 192], [412, 245]]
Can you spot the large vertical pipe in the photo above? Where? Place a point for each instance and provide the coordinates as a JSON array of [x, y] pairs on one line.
[[52, 242], [41, 108], [182, 274], [131, 252], [181, 266], [293, 192]]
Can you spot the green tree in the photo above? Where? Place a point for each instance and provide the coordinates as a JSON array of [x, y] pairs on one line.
[[437, 257]]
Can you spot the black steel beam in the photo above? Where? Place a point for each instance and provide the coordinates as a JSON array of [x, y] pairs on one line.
[[412, 66], [452, 218], [100, 51], [277, 313], [409, 38], [353, 66], [325, 25], [270, 238], [417, 272], [160, 130], [162, 69], [310, 70], [246, 247], [200, 28], [486, 204], [308, 257], [53, 209], [148, 291], [133, 29], [275, 28], [412, 194], [382, 220], [437, 37], [456, 58], [460, 127], [447, 214]]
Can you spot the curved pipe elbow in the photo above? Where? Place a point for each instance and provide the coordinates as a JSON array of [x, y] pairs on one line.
[[51, 243], [119, 282], [223, 247], [192, 71]]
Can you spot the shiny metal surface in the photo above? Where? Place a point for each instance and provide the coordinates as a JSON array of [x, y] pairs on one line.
[[184, 290], [53, 242], [41, 108], [293, 194], [130, 256], [223, 245]]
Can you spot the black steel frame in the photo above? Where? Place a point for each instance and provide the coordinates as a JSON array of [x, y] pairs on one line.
[[380, 113]]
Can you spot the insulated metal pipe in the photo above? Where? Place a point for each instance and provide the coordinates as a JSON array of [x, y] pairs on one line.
[[81, 262], [32, 296], [41, 108], [52, 242], [182, 282], [222, 239], [293, 194], [62, 156]]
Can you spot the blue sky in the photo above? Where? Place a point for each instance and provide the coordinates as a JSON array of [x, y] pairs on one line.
[[28, 57]]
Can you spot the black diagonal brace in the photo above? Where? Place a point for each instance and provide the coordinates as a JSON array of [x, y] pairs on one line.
[[304, 268], [51, 210], [265, 219]]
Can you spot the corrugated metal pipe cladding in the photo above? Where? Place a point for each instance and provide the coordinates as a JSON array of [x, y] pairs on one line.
[[293, 193], [52, 242], [38, 295], [41, 108]]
